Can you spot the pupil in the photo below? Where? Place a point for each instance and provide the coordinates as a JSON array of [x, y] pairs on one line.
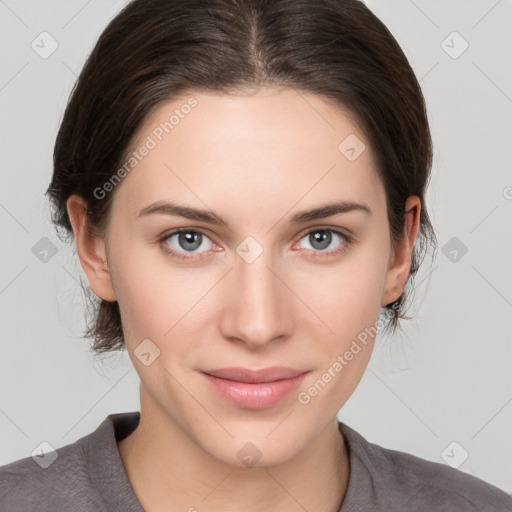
[[321, 239], [190, 240]]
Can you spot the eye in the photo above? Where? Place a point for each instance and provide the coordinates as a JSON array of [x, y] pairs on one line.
[[189, 244], [326, 240], [179, 243]]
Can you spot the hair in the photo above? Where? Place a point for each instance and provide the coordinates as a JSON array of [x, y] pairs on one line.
[[155, 50]]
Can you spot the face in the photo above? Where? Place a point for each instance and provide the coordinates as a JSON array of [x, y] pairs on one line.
[[265, 285]]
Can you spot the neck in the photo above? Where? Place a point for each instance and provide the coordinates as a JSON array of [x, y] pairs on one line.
[[169, 471]]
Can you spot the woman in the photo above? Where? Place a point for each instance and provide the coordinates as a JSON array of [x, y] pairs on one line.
[[245, 184]]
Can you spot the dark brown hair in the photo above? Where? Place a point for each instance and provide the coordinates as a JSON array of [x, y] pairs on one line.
[[155, 50]]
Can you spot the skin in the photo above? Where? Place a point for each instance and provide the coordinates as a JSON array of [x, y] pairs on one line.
[[255, 160]]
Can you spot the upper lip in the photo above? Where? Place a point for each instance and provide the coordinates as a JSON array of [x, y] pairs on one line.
[[254, 376]]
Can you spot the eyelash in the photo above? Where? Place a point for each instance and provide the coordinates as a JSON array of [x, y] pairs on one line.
[[347, 241]]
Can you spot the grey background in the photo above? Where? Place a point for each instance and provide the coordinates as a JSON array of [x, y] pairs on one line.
[[447, 379]]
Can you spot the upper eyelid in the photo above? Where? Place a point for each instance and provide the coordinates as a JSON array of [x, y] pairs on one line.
[[338, 230]]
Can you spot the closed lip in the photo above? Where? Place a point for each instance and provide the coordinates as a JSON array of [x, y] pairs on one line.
[[255, 376]]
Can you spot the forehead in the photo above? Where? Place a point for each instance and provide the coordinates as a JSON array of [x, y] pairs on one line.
[[272, 147]]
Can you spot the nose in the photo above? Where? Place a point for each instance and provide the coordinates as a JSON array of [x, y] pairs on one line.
[[258, 305]]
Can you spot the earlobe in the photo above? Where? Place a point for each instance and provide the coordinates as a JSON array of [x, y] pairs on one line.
[[400, 260], [91, 250]]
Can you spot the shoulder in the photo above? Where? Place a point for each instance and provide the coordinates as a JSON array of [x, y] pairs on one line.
[[57, 480], [397, 480]]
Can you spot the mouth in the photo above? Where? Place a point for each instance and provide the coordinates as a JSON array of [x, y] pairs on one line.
[[254, 389]]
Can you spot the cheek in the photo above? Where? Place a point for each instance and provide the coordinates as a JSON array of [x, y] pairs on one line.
[[155, 295], [142, 293], [346, 297], [349, 304]]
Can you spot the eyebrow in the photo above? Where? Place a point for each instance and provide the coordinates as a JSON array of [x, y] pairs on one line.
[[320, 212]]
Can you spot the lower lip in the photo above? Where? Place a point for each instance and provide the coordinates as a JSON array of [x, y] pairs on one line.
[[254, 395]]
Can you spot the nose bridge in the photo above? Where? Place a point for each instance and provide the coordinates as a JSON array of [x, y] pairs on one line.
[[257, 307]]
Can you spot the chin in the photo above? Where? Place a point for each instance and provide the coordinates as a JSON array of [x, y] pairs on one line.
[[254, 447]]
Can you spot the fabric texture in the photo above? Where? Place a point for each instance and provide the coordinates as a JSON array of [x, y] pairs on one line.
[[88, 476]]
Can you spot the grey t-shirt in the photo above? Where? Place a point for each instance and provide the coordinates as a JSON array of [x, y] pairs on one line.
[[88, 475]]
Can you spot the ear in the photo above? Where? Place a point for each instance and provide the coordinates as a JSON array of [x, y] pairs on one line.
[[400, 259], [91, 249]]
